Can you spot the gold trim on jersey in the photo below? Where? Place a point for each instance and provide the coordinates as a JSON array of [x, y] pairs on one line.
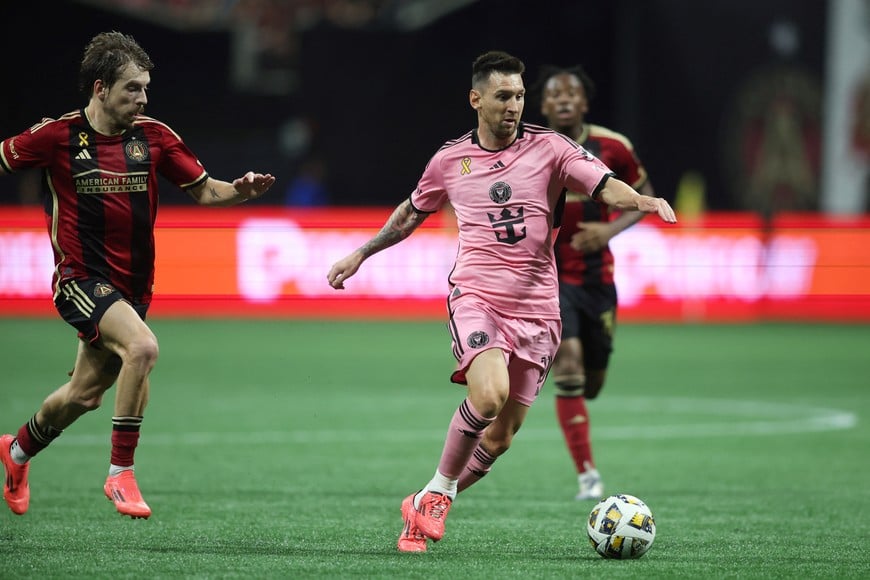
[[592, 130], [202, 176], [142, 120], [53, 234], [599, 131], [3, 159]]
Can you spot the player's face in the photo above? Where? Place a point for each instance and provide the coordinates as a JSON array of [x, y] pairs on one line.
[[564, 102], [500, 104], [126, 99]]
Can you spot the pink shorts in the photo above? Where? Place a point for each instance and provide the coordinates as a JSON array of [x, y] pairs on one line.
[[528, 345]]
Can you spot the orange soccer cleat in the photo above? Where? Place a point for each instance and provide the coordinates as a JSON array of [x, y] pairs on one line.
[[123, 490], [411, 539], [432, 513], [16, 491]]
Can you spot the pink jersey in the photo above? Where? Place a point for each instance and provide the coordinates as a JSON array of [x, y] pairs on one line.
[[506, 205]]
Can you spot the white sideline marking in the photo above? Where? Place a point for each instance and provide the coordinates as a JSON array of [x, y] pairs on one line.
[[735, 418]]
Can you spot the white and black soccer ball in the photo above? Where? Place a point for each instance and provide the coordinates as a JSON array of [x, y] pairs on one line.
[[621, 526]]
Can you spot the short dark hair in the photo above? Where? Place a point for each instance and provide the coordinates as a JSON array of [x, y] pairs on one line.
[[494, 61], [549, 71], [105, 57]]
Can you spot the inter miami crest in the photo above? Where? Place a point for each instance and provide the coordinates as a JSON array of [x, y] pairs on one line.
[[478, 339], [500, 192]]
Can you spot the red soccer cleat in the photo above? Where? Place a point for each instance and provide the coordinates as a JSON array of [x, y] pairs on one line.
[[16, 491], [123, 490]]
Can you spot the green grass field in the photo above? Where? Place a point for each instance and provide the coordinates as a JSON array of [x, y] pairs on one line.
[[282, 449]]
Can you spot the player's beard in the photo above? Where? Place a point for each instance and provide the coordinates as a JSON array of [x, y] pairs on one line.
[[505, 129], [126, 119]]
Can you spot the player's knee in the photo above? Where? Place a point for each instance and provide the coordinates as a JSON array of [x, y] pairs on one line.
[[142, 354], [88, 405], [496, 446], [488, 400], [85, 403], [570, 385], [498, 438]]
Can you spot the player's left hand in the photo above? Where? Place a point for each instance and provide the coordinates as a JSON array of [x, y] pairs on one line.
[[658, 206], [253, 185]]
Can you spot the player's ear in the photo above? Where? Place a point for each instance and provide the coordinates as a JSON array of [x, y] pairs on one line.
[[100, 89], [474, 99]]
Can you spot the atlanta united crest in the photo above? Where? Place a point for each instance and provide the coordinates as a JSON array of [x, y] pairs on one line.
[[102, 290], [137, 150]]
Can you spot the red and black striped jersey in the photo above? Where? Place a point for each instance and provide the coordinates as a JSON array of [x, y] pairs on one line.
[[617, 152], [101, 194]]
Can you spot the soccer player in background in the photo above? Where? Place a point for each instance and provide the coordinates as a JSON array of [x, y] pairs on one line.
[[587, 293], [506, 183], [100, 180]]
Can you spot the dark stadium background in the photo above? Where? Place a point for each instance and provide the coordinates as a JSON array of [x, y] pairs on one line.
[[381, 101]]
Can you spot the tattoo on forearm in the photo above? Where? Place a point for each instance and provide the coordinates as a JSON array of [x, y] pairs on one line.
[[400, 225], [213, 192]]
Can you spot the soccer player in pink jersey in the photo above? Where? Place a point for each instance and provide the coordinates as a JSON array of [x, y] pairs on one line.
[[101, 166], [587, 292], [506, 182]]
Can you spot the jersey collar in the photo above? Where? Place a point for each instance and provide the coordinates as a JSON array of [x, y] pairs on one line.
[[520, 133]]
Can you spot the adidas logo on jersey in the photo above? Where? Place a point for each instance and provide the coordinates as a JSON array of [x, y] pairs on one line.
[[83, 154], [498, 165]]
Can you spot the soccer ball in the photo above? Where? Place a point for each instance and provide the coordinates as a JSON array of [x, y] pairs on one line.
[[621, 526]]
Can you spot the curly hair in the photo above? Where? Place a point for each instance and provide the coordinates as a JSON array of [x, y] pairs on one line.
[[549, 71], [106, 56]]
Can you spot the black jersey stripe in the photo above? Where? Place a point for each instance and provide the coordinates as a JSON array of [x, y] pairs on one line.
[[538, 130], [458, 349], [141, 241], [454, 142], [91, 226]]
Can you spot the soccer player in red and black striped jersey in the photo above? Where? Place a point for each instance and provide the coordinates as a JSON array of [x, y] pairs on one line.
[[100, 168], [587, 292]]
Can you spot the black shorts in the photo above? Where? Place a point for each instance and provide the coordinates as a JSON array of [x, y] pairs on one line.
[[82, 303], [589, 313]]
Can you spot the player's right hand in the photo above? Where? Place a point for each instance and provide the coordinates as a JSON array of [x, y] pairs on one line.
[[344, 269]]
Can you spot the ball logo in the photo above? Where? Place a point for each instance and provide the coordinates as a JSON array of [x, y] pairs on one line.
[[478, 339], [102, 290], [621, 526], [500, 192]]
